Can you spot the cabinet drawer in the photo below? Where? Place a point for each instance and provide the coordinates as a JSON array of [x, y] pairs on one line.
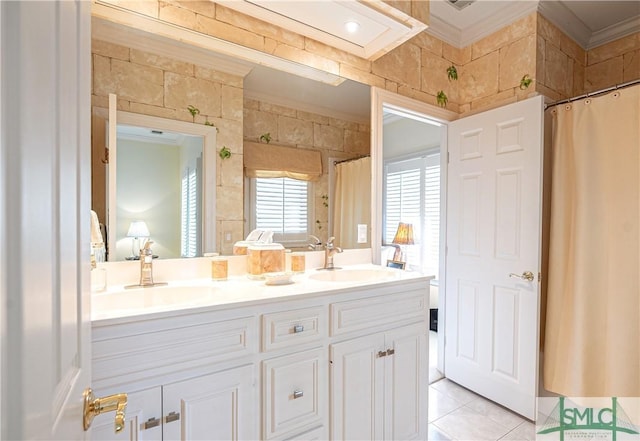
[[298, 326], [138, 356], [294, 393], [354, 315]]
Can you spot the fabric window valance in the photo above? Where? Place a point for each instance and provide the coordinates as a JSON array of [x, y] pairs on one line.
[[276, 161]]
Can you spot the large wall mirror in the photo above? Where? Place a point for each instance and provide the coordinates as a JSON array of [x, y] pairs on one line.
[[329, 114]]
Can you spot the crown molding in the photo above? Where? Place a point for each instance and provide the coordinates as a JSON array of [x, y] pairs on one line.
[[566, 21], [509, 13], [614, 32], [444, 31], [554, 11], [305, 107]]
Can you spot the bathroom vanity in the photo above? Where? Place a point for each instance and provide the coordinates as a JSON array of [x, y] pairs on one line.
[[334, 355]]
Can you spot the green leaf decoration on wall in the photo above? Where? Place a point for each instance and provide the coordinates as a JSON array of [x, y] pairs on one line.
[[442, 99]]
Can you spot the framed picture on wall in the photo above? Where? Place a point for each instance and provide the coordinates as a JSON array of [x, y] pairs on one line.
[[396, 264]]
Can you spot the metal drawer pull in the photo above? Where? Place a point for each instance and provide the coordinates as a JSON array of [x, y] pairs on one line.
[[173, 416], [391, 351], [151, 423], [382, 354], [297, 394], [298, 329]]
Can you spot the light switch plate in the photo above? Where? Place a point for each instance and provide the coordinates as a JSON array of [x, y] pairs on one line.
[[362, 233]]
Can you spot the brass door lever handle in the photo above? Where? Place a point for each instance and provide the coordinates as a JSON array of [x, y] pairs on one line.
[[95, 406]]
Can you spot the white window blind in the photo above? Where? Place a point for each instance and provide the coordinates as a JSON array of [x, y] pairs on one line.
[[189, 221], [412, 195], [282, 205]]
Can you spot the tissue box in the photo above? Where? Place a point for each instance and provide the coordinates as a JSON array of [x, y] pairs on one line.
[[264, 258], [240, 248]]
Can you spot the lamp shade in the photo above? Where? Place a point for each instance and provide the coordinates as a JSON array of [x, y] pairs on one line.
[[138, 229], [404, 235]]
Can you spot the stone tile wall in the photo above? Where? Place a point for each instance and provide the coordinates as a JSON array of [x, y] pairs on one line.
[[613, 63], [489, 70], [560, 62], [335, 138], [158, 86]]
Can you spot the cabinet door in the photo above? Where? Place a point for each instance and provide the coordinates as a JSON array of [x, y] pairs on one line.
[[143, 419], [406, 383], [357, 388], [216, 406]]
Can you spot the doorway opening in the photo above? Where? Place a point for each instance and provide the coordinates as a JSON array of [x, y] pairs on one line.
[[410, 194]]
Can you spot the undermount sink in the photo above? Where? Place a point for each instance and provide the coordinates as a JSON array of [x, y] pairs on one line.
[[354, 275], [156, 296]]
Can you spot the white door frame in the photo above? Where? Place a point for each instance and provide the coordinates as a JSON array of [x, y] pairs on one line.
[[381, 99]]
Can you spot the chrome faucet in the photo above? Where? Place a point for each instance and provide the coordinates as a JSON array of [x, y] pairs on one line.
[[316, 243], [146, 265], [329, 250]]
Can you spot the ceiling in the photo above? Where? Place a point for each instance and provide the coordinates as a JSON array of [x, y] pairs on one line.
[[590, 23]]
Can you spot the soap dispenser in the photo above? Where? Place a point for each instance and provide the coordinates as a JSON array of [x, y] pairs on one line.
[[146, 265]]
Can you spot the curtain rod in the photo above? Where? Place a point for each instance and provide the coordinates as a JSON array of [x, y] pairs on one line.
[[350, 159], [590, 94]]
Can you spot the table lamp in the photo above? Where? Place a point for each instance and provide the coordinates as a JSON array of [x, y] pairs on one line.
[[137, 230], [404, 236]]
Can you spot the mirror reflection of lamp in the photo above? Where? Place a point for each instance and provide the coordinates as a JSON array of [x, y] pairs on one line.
[[137, 230], [404, 236]]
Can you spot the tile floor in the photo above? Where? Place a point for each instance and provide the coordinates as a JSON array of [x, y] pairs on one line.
[[456, 413]]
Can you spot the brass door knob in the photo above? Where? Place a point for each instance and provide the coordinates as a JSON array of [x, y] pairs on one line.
[[527, 275], [95, 406]]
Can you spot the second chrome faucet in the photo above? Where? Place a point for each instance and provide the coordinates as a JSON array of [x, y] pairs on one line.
[[329, 251]]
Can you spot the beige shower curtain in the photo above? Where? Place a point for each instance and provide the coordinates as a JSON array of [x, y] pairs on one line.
[[352, 202], [592, 338]]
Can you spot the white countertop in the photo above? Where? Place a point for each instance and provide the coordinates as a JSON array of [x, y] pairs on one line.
[[120, 305]]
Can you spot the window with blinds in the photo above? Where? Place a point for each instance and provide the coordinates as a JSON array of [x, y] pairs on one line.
[[189, 217], [412, 195], [282, 205]]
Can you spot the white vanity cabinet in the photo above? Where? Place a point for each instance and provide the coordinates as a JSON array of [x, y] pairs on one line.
[[295, 374], [217, 406], [379, 382], [339, 363], [193, 374], [378, 386]]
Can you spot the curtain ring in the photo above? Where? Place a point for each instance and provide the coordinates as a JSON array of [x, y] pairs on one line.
[[616, 94], [567, 107], [587, 101]]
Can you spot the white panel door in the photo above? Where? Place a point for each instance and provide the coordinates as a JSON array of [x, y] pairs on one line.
[[219, 406], [44, 199], [494, 229]]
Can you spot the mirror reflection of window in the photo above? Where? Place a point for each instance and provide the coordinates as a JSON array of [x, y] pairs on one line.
[[191, 211], [284, 206]]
